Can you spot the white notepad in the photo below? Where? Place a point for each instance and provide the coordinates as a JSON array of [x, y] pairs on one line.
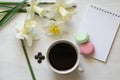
[[102, 26]]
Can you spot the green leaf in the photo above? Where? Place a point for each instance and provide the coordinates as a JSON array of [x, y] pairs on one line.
[[5, 6], [15, 3], [5, 11], [9, 3], [46, 3], [11, 13], [20, 11]]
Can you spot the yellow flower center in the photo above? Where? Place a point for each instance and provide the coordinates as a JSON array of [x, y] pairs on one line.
[[55, 30]]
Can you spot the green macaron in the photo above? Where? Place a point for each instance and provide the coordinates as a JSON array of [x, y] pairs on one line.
[[82, 37]]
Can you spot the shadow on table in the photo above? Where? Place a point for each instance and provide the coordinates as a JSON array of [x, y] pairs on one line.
[[76, 75]]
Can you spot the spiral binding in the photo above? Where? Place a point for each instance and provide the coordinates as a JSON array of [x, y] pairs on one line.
[[105, 11]]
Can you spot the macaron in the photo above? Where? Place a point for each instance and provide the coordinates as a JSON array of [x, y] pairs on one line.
[[87, 48], [82, 37]]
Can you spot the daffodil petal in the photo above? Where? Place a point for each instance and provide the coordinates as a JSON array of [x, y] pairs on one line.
[[29, 22], [27, 30], [60, 2], [49, 23], [28, 39], [35, 36], [51, 12], [69, 3], [66, 16], [19, 35], [63, 12], [19, 28], [40, 11], [30, 12]]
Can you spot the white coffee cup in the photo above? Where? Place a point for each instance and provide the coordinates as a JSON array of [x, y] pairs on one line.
[[75, 66]]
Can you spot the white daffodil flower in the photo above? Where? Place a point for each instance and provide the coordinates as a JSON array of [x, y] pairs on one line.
[[60, 10], [69, 4], [54, 28], [40, 11], [28, 34], [66, 16], [36, 9]]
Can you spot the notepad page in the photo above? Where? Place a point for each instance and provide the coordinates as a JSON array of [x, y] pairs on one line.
[[102, 26]]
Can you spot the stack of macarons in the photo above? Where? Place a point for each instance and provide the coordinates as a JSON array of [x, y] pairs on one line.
[[86, 47]]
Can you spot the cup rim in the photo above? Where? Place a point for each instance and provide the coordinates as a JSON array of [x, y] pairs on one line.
[[68, 70]]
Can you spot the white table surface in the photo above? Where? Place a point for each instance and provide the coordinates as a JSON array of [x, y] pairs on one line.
[[13, 65]]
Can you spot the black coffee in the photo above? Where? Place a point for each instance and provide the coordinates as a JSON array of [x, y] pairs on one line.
[[62, 56]]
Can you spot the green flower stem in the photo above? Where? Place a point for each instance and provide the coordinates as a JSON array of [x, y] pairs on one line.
[[9, 3], [46, 3], [5, 11], [11, 13], [20, 11], [28, 61], [5, 6], [15, 3]]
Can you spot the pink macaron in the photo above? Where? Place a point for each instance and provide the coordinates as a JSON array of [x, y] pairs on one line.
[[87, 48]]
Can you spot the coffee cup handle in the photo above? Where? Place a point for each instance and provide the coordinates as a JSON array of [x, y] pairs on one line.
[[80, 69]]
